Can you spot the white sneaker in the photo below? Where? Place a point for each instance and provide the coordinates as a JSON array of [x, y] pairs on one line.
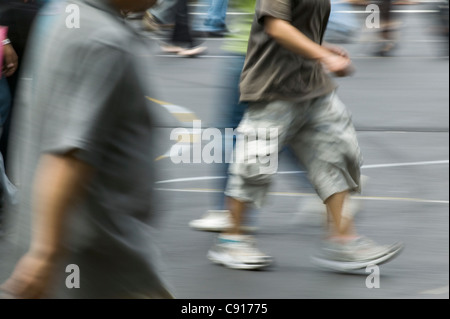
[[192, 52], [238, 252], [355, 254], [169, 48], [213, 220], [217, 221]]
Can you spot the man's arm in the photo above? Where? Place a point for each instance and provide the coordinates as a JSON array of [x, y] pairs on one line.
[[294, 40], [58, 183]]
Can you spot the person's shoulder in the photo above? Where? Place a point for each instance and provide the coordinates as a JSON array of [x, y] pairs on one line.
[[108, 39], [101, 27]]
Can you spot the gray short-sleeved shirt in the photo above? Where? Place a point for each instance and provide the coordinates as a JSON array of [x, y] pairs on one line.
[[272, 72], [84, 90]]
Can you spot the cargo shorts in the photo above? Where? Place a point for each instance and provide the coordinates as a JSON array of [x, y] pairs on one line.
[[319, 131]]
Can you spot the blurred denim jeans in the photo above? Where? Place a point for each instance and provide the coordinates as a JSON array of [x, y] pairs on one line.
[[5, 101], [216, 16]]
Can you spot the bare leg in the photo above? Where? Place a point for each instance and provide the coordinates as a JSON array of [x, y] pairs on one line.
[[237, 209], [341, 226]]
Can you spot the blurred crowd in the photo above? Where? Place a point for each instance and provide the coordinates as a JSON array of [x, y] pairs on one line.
[[75, 170]]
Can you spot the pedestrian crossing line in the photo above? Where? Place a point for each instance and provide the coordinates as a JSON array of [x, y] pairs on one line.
[[183, 115], [156, 101], [437, 291], [357, 57], [393, 11], [294, 194], [161, 157], [388, 165]]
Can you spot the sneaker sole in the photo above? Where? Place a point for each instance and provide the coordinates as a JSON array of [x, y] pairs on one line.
[[218, 259], [218, 229], [343, 266], [191, 53]]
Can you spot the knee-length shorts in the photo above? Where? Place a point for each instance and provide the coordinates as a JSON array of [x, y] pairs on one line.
[[319, 131]]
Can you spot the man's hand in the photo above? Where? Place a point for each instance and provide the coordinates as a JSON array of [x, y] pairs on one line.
[[339, 65], [11, 60], [336, 50], [31, 278], [338, 61]]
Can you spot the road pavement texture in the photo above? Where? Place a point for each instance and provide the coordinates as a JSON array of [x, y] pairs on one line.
[[400, 110]]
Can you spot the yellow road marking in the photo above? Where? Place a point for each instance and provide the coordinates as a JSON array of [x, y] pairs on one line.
[[185, 117], [157, 101]]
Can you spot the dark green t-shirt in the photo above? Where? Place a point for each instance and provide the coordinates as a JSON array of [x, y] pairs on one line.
[[272, 72]]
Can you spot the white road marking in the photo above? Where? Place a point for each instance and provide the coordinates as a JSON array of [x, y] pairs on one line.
[[182, 114], [361, 57], [205, 178], [437, 291], [288, 194], [393, 11]]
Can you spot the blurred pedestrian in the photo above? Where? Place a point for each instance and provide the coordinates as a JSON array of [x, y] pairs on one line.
[[342, 27], [8, 68], [388, 30], [161, 16], [215, 24], [7, 189], [229, 114], [81, 155], [181, 40], [18, 16], [286, 81], [443, 25]]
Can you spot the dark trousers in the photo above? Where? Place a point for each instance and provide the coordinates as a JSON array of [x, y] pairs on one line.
[[385, 11], [182, 32]]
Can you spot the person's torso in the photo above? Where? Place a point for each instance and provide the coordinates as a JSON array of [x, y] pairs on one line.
[[274, 72]]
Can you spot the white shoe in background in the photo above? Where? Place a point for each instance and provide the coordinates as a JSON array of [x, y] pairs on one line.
[[213, 220], [217, 221]]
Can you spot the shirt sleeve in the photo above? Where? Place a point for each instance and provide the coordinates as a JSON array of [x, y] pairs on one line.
[[81, 111], [280, 9]]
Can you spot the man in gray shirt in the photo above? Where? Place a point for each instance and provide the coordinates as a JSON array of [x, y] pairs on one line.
[[82, 159]]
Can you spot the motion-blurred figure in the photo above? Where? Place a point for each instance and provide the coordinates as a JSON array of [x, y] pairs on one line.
[[388, 32], [311, 210], [82, 143], [161, 16], [230, 112], [215, 24], [342, 26], [18, 16], [181, 40], [444, 24], [389, 28], [285, 80]]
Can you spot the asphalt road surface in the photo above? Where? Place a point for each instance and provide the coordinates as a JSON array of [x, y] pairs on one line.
[[400, 107]]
